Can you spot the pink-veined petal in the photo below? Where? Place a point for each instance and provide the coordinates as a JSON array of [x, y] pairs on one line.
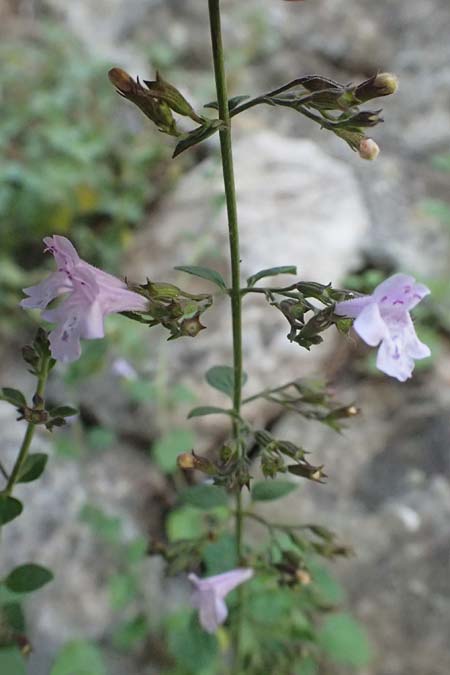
[[64, 252], [65, 339], [399, 293], [370, 326], [352, 308], [42, 294], [394, 361]]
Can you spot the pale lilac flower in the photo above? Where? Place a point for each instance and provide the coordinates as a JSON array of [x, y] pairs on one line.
[[209, 593], [123, 368], [91, 295], [383, 319]]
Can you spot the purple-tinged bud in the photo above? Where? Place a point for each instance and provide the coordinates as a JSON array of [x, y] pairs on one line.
[[121, 80], [368, 149]]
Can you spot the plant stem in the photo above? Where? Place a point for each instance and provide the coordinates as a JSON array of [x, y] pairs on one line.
[[26, 443], [235, 292]]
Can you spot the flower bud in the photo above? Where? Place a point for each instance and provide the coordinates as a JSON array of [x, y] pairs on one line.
[[186, 461], [121, 80], [303, 577], [368, 149], [386, 83]]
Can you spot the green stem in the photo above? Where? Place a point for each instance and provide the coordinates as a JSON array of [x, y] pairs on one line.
[[27, 439], [235, 292]]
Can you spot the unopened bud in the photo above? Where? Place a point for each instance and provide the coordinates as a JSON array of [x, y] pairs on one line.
[[368, 149], [121, 80], [186, 461], [386, 83], [303, 577]]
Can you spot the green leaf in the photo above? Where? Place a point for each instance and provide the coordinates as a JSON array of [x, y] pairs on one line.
[[130, 632], [189, 644], [122, 589], [13, 396], [167, 448], [108, 528], [10, 508], [204, 497], [203, 410], [203, 273], [222, 378], [267, 490], [196, 136], [184, 523], [306, 666], [11, 615], [33, 467], [79, 657], [63, 411], [28, 578], [232, 103], [12, 662], [270, 272], [220, 556], [344, 641], [325, 586]]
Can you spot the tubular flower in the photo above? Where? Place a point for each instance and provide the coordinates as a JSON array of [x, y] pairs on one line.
[[91, 295], [209, 593], [383, 319]]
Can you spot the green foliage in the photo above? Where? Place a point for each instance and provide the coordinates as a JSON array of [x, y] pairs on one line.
[[33, 467], [222, 378], [220, 555], [27, 578], [268, 490], [11, 661], [130, 632], [167, 448], [344, 641], [122, 589], [79, 657], [204, 497], [189, 645], [204, 410], [10, 508], [108, 528], [204, 273], [272, 271]]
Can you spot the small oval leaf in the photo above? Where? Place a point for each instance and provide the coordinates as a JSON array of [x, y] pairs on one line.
[[204, 496], [28, 578], [222, 378], [13, 396], [203, 410], [203, 273], [267, 490], [270, 272], [33, 467], [10, 508]]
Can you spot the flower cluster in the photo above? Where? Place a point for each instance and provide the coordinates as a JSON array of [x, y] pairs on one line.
[[91, 294]]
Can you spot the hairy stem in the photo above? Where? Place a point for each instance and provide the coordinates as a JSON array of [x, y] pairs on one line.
[[29, 433], [235, 292]]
